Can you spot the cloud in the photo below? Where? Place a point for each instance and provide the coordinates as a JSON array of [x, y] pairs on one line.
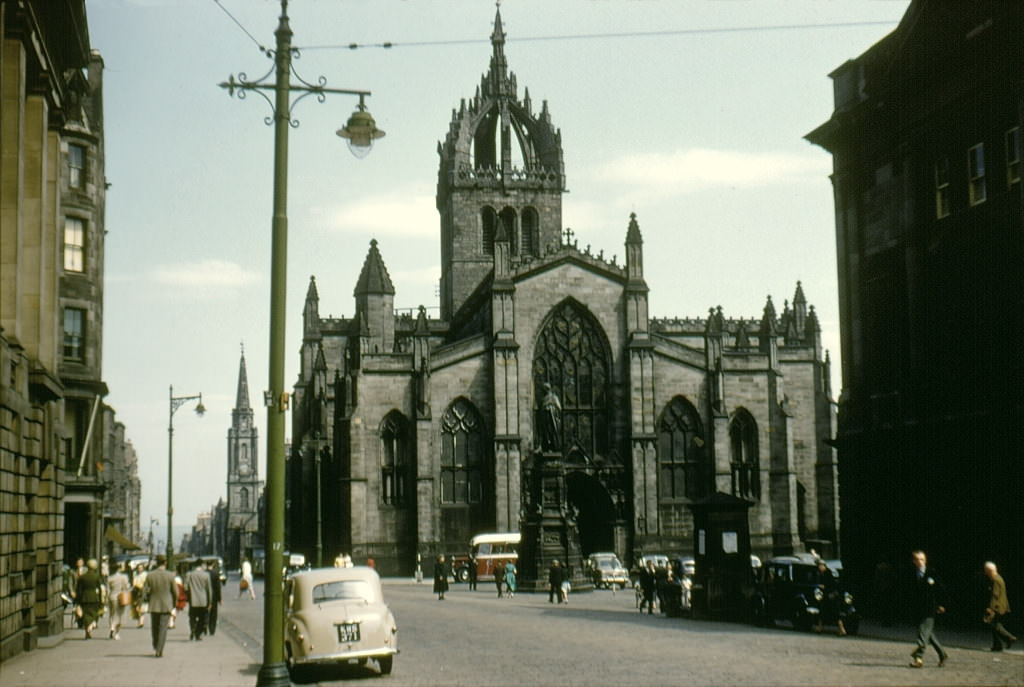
[[400, 212], [701, 169], [204, 275]]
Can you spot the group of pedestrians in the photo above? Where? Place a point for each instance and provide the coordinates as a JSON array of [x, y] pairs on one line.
[[95, 591]]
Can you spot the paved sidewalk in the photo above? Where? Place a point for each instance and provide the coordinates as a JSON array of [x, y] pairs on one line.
[[218, 661]]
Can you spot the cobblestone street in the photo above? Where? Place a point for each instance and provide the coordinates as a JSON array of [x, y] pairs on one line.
[[474, 638]]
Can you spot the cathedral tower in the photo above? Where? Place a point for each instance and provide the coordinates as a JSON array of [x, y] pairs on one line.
[[500, 164], [244, 485]]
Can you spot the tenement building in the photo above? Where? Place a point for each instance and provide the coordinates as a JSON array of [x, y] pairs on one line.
[[926, 146], [422, 432]]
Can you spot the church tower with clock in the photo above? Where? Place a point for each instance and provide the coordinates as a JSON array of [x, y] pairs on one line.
[[244, 484]]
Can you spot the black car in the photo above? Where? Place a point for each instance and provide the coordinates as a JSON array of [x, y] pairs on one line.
[[790, 588]]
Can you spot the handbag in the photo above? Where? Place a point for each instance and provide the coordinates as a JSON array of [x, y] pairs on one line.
[[243, 585], [124, 598]]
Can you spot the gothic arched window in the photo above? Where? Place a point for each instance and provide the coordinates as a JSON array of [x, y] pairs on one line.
[[572, 356], [394, 459], [489, 227], [463, 473], [529, 233], [746, 469], [508, 221], [681, 458]]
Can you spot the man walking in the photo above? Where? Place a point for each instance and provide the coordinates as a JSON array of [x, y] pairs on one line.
[[926, 601], [998, 608], [199, 591], [215, 598], [162, 592]]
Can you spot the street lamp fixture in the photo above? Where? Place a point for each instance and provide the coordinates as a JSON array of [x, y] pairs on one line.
[[360, 132], [175, 403]]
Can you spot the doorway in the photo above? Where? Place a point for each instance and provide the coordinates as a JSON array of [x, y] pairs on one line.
[[595, 512]]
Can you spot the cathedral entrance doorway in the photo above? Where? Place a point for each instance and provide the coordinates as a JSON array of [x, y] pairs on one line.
[[593, 510]]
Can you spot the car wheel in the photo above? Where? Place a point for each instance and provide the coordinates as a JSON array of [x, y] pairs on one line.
[[462, 575], [386, 663], [852, 626]]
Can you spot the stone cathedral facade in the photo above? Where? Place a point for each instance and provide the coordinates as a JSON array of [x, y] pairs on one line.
[[422, 432]]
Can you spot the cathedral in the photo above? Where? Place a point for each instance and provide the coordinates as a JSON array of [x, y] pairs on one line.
[[412, 434]]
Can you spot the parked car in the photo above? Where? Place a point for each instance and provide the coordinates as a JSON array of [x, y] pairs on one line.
[[790, 589], [660, 561], [337, 616], [606, 570]]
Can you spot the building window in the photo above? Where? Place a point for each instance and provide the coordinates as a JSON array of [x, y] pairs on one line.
[[942, 205], [76, 166], [976, 173], [394, 462], [74, 244], [74, 334], [462, 454], [681, 456], [572, 357], [243, 499], [508, 222], [488, 224], [746, 469], [1013, 156], [530, 239]]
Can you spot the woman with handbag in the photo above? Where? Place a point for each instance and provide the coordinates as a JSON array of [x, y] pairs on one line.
[[119, 599]]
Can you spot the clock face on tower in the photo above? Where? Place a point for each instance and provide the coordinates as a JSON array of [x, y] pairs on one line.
[[243, 469]]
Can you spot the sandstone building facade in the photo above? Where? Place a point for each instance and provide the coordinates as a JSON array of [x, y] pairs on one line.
[[422, 432]]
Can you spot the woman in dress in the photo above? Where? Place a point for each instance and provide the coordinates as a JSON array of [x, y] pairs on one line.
[[90, 596]]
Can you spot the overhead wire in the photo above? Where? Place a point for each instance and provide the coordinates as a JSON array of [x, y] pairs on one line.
[[566, 37]]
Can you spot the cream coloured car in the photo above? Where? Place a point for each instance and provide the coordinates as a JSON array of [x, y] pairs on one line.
[[337, 616]]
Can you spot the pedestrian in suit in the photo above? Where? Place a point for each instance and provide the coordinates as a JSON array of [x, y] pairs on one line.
[[927, 598], [440, 577], [998, 608], [472, 573], [215, 597], [499, 577], [554, 582], [162, 592], [199, 592], [648, 585]]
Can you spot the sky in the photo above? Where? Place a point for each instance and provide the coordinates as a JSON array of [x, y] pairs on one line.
[[690, 113]]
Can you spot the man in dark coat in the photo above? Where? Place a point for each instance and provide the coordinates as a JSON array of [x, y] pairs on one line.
[[162, 592], [554, 582], [440, 577], [649, 586], [926, 599], [215, 597]]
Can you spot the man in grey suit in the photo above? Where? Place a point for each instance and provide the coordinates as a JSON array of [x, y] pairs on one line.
[[200, 592], [162, 592]]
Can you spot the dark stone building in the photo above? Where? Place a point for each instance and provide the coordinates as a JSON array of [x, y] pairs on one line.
[[926, 145], [544, 398]]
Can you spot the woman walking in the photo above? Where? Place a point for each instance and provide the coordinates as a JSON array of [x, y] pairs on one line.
[[91, 596], [118, 599], [510, 578], [139, 605]]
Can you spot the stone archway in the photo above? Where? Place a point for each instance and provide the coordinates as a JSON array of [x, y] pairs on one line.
[[593, 510]]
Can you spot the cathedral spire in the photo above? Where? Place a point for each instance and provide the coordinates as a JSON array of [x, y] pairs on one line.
[[374, 278], [242, 398]]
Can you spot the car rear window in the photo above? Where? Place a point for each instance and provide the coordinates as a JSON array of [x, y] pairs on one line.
[[342, 590]]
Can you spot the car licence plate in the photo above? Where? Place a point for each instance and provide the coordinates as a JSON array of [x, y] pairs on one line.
[[348, 633]]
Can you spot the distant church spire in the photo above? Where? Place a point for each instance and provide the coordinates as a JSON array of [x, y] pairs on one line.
[[242, 399]]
